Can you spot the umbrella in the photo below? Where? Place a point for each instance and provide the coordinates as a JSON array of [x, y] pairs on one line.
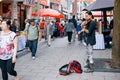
[[34, 14], [51, 13], [101, 5]]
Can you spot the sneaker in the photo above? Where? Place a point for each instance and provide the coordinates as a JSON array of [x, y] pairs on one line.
[[33, 57], [86, 66]]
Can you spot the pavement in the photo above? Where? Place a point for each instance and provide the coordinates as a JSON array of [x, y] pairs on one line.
[[50, 59]]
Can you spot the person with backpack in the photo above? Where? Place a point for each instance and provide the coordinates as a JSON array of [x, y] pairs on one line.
[[32, 36], [8, 50], [89, 28]]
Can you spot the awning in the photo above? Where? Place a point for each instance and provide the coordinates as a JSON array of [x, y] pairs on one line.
[[101, 5]]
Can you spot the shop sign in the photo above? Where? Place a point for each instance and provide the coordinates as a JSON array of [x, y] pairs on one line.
[[43, 2]]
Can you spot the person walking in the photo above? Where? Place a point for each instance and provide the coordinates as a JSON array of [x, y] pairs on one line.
[[61, 30], [32, 36], [0, 22], [42, 27], [48, 31], [78, 29], [74, 21], [13, 26], [26, 26], [8, 50], [89, 29], [69, 29]]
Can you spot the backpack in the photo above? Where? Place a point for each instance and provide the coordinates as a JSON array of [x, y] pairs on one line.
[[65, 70], [73, 66], [29, 27]]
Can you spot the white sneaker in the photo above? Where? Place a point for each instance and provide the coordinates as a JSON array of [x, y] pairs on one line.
[[33, 58]]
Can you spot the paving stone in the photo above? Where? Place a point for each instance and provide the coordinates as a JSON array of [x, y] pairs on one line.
[[50, 59]]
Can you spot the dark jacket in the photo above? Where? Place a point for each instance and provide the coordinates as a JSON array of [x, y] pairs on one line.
[[13, 28], [90, 37], [69, 27], [73, 20]]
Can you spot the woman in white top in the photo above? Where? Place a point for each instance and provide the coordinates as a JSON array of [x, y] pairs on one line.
[[8, 50]]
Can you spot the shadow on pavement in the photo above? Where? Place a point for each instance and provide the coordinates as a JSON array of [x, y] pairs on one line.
[[102, 65], [22, 53]]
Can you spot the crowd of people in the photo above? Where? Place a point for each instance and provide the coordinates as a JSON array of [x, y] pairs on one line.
[[48, 29]]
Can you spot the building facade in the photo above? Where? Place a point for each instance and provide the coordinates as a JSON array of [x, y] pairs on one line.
[[13, 9], [55, 4]]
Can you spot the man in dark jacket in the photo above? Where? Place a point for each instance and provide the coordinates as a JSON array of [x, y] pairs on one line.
[[89, 31], [73, 20]]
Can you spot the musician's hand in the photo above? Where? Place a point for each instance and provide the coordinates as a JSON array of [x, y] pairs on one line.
[[79, 32], [83, 30]]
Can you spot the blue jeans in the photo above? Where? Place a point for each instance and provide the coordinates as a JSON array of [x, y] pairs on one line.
[[33, 46]]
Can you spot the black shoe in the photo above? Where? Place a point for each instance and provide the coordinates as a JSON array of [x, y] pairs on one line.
[[91, 66], [86, 66]]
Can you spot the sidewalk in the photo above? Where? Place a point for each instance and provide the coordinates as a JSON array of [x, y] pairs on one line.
[[50, 59]]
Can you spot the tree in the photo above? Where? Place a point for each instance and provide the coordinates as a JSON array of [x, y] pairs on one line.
[[116, 35]]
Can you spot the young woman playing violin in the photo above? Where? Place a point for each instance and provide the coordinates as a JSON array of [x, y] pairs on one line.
[[88, 27]]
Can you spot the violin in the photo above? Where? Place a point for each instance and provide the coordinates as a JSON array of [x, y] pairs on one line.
[[86, 22]]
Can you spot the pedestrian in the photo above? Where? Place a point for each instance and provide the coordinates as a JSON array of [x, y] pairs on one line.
[[0, 25], [26, 26], [42, 27], [13, 26], [32, 36], [8, 50], [69, 29], [89, 30], [78, 29], [74, 21], [0, 22], [61, 30], [48, 31], [54, 29]]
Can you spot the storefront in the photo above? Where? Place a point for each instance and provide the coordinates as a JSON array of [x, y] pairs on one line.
[[6, 9], [10, 9]]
